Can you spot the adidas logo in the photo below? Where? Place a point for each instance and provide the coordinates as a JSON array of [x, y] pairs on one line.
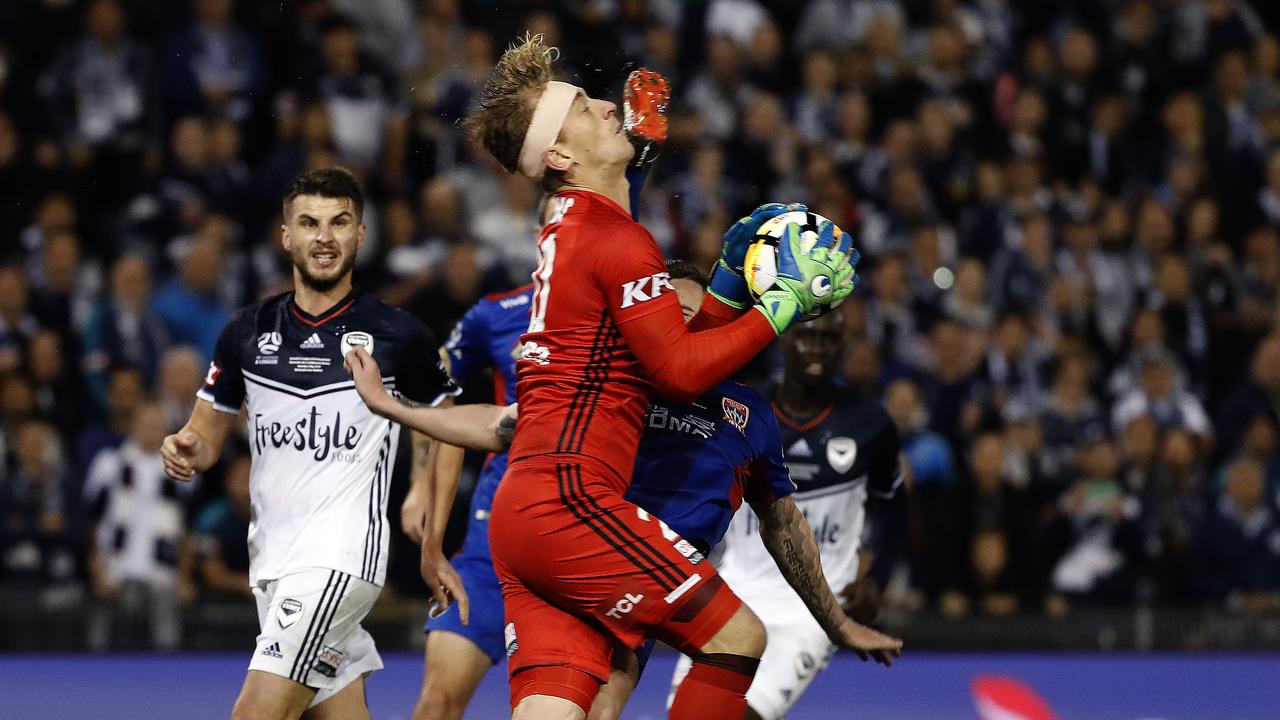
[[312, 342], [800, 448], [273, 650]]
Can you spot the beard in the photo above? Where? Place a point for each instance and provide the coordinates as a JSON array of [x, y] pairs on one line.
[[324, 284]]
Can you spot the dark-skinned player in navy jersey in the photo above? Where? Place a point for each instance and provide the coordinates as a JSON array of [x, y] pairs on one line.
[[697, 463], [583, 571], [842, 451]]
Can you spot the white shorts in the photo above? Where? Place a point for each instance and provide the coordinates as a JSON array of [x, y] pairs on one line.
[[795, 654], [310, 629]]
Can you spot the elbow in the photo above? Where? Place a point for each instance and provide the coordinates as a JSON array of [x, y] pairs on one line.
[[677, 393]]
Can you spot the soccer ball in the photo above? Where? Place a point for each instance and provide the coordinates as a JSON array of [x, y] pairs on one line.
[[760, 267]]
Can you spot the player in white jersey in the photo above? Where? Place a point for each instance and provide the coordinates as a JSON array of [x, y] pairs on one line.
[[322, 462], [839, 450]]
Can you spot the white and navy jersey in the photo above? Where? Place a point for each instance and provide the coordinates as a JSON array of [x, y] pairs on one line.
[[836, 459], [321, 461]]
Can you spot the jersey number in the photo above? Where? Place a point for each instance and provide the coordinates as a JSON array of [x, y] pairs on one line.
[[542, 283]]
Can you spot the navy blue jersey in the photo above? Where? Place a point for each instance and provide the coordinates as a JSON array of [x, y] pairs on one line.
[[488, 336], [322, 462], [837, 458], [698, 462]]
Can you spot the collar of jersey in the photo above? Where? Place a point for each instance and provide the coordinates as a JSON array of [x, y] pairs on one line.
[[797, 425], [601, 198], [316, 320]]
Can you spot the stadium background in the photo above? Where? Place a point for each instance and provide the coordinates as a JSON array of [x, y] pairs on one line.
[[1069, 215]]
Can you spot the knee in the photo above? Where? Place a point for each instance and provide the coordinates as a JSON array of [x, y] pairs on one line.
[[247, 709], [545, 707], [743, 635], [439, 703], [754, 638]]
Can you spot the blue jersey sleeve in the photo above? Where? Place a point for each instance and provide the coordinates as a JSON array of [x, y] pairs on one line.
[[769, 479], [466, 350]]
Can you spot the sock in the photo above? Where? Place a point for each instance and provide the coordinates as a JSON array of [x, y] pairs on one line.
[[715, 689]]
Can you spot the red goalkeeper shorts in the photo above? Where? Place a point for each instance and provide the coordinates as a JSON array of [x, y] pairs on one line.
[[584, 570]]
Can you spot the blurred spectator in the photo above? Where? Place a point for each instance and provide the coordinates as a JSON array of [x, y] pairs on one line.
[[839, 23], [191, 304], [126, 390], [931, 474], [181, 375], [1159, 396], [213, 66], [1235, 551], [1261, 444], [1252, 394], [364, 109], [101, 101], [52, 380], [501, 232], [990, 547], [123, 328], [1173, 505], [221, 532], [17, 325], [37, 509], [1071, 413], [1097, 533], [1020, 272], [386, 28], [1012, 368], [62, 289], [136, 539]]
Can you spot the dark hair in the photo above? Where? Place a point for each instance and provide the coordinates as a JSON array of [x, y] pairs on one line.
[[684, 270], [330, 182]]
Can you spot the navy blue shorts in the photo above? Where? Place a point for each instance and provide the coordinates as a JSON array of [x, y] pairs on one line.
[[485, 596]]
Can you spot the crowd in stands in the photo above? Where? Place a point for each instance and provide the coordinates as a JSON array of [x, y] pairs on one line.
[[1068, 212]]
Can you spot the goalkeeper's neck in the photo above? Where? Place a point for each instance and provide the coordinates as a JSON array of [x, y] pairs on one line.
[[611, 183]]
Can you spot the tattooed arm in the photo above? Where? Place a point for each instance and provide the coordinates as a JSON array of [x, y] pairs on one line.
[[787, 536], [789, 539]]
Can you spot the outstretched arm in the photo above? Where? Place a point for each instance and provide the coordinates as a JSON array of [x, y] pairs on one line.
[[789, 539], [466, 426]]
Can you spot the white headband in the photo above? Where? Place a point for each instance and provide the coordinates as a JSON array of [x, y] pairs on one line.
[[544, 127]]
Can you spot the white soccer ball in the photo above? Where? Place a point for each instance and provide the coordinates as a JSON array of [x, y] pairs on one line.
[[760, 268]]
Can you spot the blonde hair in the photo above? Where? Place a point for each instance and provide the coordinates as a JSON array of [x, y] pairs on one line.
[[502, 117]]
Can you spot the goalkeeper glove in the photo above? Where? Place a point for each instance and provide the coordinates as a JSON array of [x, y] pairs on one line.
[[644, 114], [727, 284], [807, 281]]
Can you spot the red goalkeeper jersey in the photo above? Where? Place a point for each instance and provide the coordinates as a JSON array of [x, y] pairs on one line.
[[606, 331]]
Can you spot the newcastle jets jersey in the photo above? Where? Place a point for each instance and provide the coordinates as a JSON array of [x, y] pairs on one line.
[[488, 335], [698, 462], [836, 459], [321, 461]]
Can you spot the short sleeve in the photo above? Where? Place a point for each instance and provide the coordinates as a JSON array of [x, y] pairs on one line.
[[885, 474], [633, 275], [464, 351], [769, 479], [420, 371], [223, 382]]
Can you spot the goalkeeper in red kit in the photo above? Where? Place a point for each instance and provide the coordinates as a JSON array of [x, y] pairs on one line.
[[583, 571]]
